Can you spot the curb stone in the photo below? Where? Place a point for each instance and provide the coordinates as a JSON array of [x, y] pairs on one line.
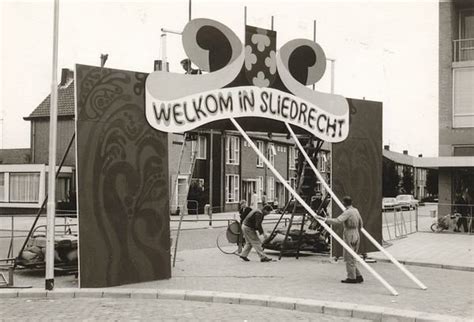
[[430, 265], [375, 313]]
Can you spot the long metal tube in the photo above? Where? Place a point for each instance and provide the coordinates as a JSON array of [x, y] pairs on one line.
[[51, 213], [339, 203], [310, 211]]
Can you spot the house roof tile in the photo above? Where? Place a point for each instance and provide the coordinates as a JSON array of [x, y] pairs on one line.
[[65, 104]]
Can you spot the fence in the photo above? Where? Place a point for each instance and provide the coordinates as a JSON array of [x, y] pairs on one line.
[[399, 223], [15, 227], [463, 49]]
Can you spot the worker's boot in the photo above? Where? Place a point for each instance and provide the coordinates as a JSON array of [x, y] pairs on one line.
[[359, 279], [349, 281]]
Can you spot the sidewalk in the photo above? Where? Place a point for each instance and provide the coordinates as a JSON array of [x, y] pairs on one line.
[[311, 278], [440, 250], [319, 279]]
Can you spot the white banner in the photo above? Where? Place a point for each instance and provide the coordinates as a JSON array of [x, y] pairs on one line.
[[187, 113]]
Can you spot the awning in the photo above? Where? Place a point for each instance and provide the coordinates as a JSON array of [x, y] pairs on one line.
[[444, 162]]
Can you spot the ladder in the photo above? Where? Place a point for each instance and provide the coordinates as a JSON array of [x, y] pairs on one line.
[[186, 165], [189, 158], [306, 183]]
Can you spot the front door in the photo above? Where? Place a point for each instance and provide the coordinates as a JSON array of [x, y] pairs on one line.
[[247, 190], [280, 194]]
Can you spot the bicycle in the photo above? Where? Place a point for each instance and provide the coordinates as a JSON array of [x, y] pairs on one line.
[[230, 239], [445, 223]]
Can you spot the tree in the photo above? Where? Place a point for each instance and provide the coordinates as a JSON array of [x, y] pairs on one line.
[[432, 182], [390, 178], [407, 180]]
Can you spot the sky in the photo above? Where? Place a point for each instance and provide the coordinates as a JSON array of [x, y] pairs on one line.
[[385, 51]]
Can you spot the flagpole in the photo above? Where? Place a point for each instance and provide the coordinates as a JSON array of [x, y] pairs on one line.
[[51, 208]]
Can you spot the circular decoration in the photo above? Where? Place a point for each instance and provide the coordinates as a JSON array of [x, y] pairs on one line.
[[304, 59], [209, 44]]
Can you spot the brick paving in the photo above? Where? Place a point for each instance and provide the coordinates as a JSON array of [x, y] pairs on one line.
[[114, 309], [450, 292], [313, 278]]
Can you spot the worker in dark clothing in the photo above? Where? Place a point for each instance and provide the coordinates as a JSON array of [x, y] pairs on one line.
[[462, 208], [186, 64], [316, 202], [253, 223], [244, 210]]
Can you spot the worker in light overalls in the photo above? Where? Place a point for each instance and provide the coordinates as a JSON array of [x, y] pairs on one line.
[[352, 222]]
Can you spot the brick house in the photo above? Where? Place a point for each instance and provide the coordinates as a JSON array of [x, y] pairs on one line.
[[456, 103], [23, 172], [237, 171], [404, 161]]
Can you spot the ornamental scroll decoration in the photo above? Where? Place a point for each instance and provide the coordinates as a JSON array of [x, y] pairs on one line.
[[122, 180], [251, 80]]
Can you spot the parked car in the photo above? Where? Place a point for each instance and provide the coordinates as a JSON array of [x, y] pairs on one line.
[[389, 203], [407, 202]]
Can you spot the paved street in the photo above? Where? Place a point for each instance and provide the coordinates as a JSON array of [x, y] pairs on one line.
[[308, 277], [85, 309], [200, 266]]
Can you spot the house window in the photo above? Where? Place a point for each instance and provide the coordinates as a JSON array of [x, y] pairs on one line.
[[259, 188], [319, 187], [199, 147], [465, 151], [270, 189], [293, 183], [232, 184], [322, 161], [232, 149], [2, 186], [24, 187], [466, 30], [292, 162], [271, 153], [181, 192], [62, 189], [259, 159], [463, 97]]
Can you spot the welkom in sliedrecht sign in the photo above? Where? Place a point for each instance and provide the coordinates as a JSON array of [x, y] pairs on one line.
[[254, 80]]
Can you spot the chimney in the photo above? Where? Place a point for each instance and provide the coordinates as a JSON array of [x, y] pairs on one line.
[[420, 155], [66, 77], [386, 147], [158, 65], [405, 152]]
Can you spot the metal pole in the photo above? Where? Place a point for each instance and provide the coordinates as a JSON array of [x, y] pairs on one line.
[[13, 237], [164, 59], [51, 213], [177, 236], [310, 211], [314, 39], [339, 203], [245, 15], [189, 18], [211, 168], [272, 23], [333, 66]]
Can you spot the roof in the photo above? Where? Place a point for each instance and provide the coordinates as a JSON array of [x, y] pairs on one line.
[[15, 156], [65, 104], [445, 162], [399, 158]]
